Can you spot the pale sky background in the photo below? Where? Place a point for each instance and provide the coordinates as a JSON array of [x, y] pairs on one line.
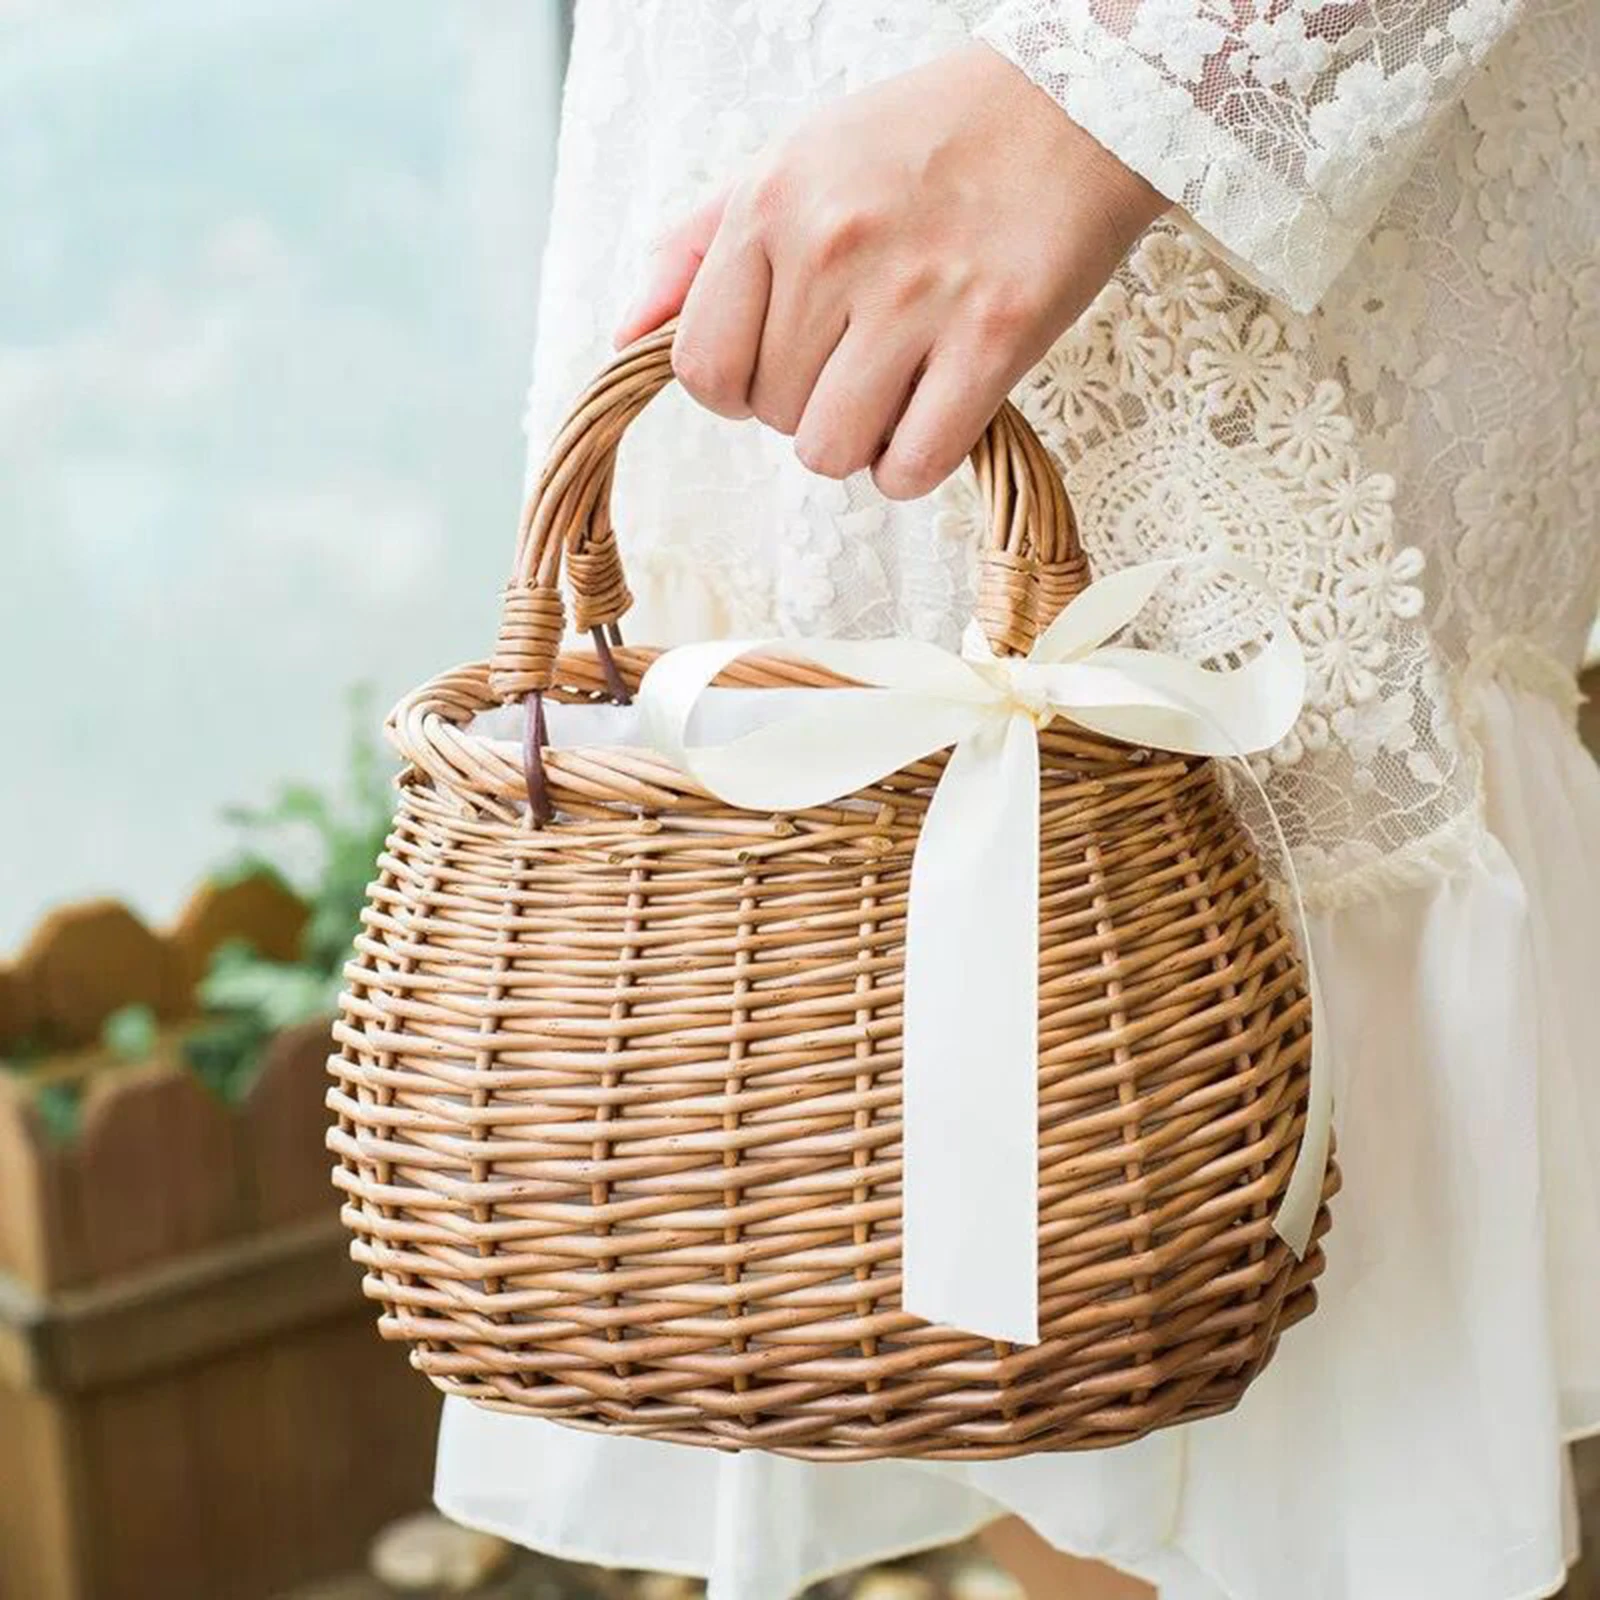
[[267, 279]]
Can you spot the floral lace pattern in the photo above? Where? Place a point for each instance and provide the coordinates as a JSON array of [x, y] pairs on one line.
[[1187, 421], [1415, 464], [1281, 128]]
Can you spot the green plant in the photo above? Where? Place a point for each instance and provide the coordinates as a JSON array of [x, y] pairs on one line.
[[59, 1104], [22, 1053], [129, 1033], [246, 997], [60, 1108], [346, 833]]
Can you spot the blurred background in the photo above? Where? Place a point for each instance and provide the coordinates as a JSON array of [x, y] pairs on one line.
[[266, 306]]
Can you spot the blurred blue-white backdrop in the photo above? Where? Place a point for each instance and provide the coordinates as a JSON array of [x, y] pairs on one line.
[[267, 283]]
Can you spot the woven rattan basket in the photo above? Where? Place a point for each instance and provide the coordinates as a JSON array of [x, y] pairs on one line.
[[617, 1087]]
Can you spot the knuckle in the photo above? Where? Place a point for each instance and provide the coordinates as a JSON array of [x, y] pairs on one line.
[[913, 288], [779, 411], [827, 457], [1002, 315], [892, 483], [838, 233], [765, 197], [781, 419], [814, 456], [703, 374], [912, 470]]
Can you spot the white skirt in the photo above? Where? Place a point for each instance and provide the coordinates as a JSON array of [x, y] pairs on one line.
[[1408, 1441]]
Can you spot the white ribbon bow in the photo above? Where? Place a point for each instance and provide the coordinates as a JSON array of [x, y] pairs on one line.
[[970, 1095]]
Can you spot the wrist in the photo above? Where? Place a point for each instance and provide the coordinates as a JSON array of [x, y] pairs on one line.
[[1117, 196]]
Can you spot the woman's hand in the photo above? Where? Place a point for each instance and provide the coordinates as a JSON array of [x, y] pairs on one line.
[[886, 275]]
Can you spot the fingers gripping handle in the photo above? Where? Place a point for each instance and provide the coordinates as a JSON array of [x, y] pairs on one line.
[[1032, 561]]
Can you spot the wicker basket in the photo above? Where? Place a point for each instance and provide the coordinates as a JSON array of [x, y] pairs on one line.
[[618, 1073]]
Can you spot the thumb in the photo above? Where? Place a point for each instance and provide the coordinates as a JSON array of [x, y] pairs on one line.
[[673, 264]]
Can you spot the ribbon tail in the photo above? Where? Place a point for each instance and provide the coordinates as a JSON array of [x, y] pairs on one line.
[[971, 1130], [1302, 1198], [1296, 1216]]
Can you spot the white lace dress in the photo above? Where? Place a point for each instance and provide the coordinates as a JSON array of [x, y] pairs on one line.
[[1366, 358]]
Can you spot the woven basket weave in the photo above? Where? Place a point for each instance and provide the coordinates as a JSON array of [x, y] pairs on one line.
[[618, 1071]]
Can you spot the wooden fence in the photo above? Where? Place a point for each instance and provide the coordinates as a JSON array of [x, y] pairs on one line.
[[194, 1400]]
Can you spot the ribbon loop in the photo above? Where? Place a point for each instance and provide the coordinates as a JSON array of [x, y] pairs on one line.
[[970, 1247]]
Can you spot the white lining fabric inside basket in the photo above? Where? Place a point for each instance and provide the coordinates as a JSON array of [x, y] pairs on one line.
[[721, 714]]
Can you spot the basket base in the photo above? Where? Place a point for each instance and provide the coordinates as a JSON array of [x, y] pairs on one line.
[[1071, 1424]]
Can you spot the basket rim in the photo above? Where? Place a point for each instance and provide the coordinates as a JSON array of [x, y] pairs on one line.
[[429, 730]]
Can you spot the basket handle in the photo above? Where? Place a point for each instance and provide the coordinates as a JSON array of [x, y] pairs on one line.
[[1032, 561]]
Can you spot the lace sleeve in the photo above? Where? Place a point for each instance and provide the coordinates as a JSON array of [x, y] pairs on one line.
[[1281, 126]]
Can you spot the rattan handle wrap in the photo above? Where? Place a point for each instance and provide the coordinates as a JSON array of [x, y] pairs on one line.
[[1032, 561]]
